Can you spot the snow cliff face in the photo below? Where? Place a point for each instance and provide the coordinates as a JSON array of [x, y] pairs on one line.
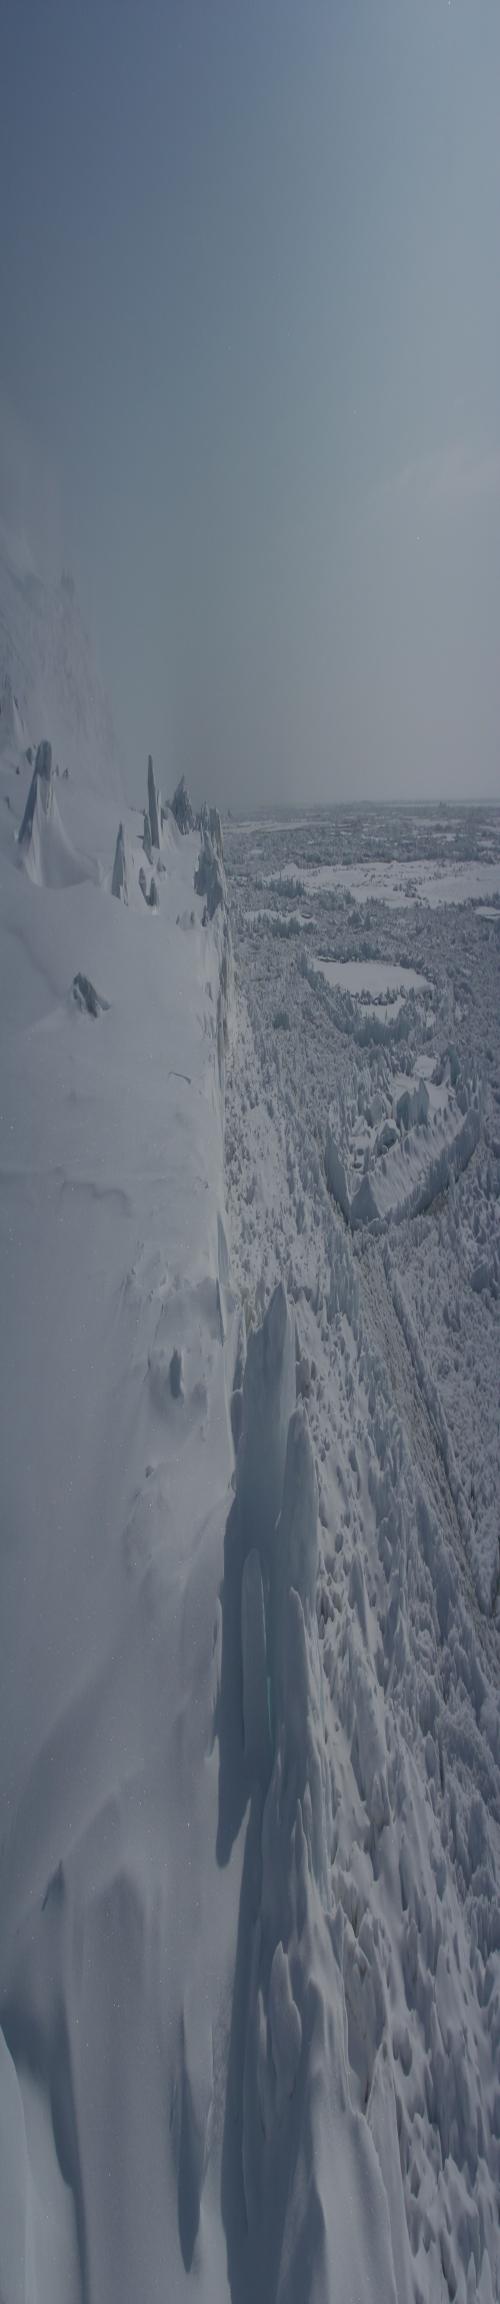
[[118, 1926]]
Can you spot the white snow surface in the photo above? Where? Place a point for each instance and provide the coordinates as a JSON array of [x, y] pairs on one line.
[[118, 1925], [369, 979], [399, 883], [250, 1723]]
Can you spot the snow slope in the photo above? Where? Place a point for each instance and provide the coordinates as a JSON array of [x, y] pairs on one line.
[[113, 1973], [166, 1968], [250, 1735]]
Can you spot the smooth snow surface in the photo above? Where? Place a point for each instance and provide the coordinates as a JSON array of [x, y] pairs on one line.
[[367, 979], [250, 1723], [401, 883]]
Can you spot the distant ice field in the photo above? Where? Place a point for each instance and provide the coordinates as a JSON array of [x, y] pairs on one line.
[[400, 883]]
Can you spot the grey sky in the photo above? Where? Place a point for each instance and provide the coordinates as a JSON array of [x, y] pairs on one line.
[[250, 360]]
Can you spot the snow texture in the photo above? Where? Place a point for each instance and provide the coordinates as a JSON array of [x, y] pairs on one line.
[[250, 1723]]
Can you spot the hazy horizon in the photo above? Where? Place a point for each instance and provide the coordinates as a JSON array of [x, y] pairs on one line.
[[249, 381]]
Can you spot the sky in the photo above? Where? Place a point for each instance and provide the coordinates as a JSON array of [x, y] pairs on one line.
[[250, 378]]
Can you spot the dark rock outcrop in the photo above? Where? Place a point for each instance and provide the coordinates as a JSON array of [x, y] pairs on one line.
[[41, 788], [119, 883], [181, 807], [85, 996], [153, 807]]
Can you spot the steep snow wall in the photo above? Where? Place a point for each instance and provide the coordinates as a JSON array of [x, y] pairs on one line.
[[118, 1926], [174, 2096], [303, 2199]]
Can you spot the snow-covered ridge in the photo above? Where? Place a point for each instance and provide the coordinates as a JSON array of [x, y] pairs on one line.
[[166, 1805], [167, 1968], [118, 1340]]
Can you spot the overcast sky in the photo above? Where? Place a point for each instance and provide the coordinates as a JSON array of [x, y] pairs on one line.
[[250, 377]]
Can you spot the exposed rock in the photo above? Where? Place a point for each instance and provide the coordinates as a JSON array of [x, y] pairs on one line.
[[181, 807], [176, 1375], [153, 806], [209, 821], [146, 838], [151, 897], [85, 996], [119, 883], [209, 879], [41, 789]]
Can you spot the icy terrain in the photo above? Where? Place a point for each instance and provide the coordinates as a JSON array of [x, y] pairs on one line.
[[250, 1728], [363, 1165]]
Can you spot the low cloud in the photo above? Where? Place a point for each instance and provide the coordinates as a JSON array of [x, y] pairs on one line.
[[30, 516], [454, 475]]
